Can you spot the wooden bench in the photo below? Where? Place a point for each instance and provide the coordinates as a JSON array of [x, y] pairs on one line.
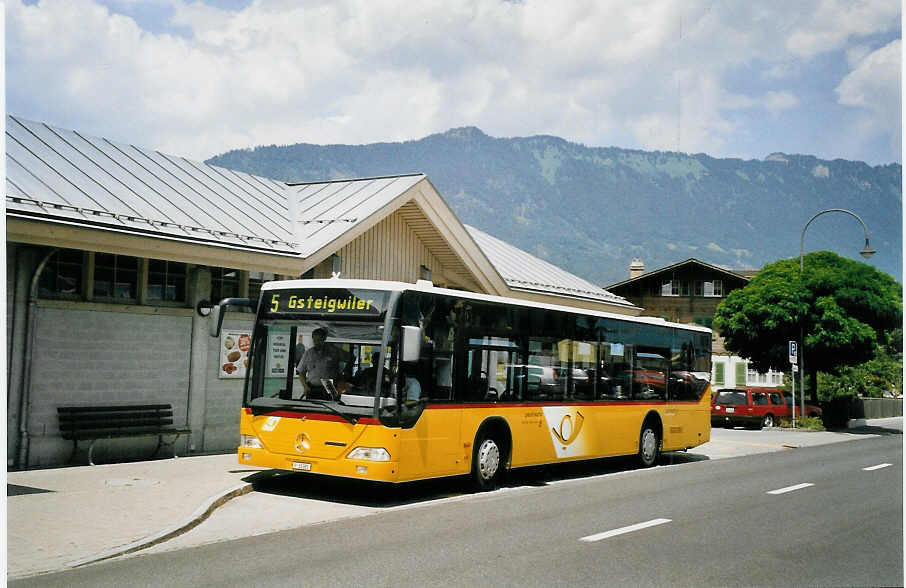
[[90, 423]]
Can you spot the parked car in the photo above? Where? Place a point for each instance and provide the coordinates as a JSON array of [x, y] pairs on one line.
[[810, 409], [551, 382], [753, 408]]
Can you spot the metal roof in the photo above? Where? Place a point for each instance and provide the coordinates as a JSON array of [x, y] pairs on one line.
[[523, 271], [324, 211], [59, 176], [63, 176]]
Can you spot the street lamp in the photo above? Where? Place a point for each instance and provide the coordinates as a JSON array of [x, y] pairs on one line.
[[866, 252]]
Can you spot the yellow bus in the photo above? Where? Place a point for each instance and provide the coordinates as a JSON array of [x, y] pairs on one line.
[[429, 382]]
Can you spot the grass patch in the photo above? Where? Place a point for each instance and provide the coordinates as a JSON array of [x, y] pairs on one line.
[[806, 423]]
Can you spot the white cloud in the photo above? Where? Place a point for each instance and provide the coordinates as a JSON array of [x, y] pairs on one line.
[[647, 74], [874, 86], [828, 25], [777, 101]]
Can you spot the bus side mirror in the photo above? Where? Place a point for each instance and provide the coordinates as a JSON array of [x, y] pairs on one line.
[[216, 320], [411, 344], [218, 309]]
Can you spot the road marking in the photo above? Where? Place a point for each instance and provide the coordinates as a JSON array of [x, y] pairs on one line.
[[790, 488], [623, 530], [877, 467]]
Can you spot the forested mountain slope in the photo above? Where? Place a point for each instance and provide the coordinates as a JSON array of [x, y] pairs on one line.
[[591, 210]]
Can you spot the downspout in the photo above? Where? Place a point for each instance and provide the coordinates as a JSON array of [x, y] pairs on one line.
[[30, 320]]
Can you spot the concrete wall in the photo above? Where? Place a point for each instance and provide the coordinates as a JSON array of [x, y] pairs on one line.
[[223, 397], [877, 408], [91, 355]]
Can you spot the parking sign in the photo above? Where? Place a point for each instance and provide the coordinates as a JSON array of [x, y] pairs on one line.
[[794, 353]]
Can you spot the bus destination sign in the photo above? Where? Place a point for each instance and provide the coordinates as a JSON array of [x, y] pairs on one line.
[[334, 302]]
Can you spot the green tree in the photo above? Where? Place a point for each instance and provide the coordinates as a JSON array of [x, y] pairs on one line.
[[845, 309], [881, 375]]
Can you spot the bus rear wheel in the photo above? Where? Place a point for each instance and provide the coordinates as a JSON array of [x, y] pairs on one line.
[[487, 463], [649, 445]]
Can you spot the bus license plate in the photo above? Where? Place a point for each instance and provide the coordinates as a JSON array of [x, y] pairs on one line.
[[301, 466]]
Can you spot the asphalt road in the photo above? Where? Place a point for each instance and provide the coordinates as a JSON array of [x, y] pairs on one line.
[[829, 521]]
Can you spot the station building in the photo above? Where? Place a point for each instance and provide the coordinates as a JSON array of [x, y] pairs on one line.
[[115, 253]]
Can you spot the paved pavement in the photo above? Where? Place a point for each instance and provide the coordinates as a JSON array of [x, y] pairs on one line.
[[65, 517]]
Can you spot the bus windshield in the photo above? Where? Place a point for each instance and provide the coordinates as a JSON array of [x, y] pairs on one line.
[[337, 364]]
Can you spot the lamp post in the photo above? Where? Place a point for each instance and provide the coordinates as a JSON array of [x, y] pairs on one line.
[[866, 252]]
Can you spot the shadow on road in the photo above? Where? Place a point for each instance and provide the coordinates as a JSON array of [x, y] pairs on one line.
[[870, 430], [384, 495]]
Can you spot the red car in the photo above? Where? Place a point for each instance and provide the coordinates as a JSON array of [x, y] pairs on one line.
[[754, 407], [810, 410]]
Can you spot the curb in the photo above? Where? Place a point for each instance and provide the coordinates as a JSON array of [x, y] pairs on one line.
[[203, 512]]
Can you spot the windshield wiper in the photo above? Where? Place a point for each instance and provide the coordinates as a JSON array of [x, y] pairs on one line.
[[294, 405], [347, 418]]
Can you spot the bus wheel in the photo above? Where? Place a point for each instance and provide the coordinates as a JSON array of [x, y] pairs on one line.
[[649, 445], [487, 464]]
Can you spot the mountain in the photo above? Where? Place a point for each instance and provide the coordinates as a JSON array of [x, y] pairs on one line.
[[591, 210]]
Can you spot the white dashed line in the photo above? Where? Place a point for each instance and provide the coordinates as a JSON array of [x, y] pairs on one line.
[[622, 530], [790, 488], [877, 467]]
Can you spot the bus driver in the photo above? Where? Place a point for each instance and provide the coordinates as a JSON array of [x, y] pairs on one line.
[[322, 361]]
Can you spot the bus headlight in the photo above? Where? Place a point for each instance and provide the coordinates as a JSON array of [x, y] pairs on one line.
[[369, 454], [250, 441]]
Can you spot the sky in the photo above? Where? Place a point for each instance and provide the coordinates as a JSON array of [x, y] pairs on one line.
[[729, 79]]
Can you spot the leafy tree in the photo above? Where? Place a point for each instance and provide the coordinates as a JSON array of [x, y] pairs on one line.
[[874, 378], [844, 308]]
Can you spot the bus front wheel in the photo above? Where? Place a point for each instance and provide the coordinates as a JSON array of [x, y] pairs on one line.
[[487, 463], [649, 445]]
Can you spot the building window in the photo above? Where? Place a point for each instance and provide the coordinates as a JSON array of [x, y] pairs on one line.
[[741, 371], [224, 283], [719, 373], [166, 281], [667, 288], [115, 277], [62, 275], [714, 288], [256, 279]]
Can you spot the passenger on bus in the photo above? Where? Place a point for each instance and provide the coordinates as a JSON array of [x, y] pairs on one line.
[[412, 390], [322, 361], [365, 378]]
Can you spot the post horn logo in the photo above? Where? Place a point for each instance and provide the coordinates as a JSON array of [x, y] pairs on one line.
[[302, 443], [568, 431]]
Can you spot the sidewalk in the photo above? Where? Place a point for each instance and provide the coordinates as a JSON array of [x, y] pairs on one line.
[[64, 517], [60, 517]]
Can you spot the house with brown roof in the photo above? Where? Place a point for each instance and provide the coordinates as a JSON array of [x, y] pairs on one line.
[[689, 292]]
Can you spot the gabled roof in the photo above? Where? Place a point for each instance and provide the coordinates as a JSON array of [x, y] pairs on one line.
[[670, 269], [324, 211], [327, 215], [523, 271]]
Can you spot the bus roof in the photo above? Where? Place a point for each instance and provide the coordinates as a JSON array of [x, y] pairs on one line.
[[426, 286]]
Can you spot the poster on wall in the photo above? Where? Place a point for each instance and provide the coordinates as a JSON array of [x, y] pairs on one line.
[[234, 353]]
